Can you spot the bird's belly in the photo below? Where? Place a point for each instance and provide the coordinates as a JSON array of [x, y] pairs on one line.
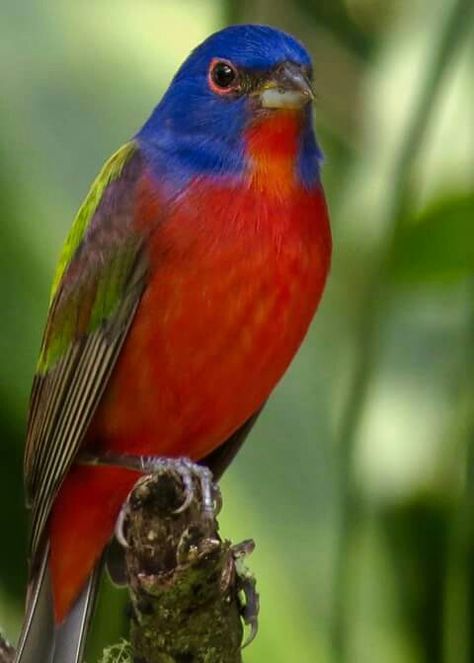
[[200, 359], [213, 334]]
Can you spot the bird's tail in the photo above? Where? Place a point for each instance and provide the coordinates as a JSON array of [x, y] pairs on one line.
[[41, 641]]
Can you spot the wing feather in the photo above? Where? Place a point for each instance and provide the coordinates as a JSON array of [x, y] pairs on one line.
[[94, 301], [90, 377]]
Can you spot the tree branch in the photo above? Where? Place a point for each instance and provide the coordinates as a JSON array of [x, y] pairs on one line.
[[184, 581]]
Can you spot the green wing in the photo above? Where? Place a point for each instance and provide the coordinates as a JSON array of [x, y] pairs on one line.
[[96, 290]]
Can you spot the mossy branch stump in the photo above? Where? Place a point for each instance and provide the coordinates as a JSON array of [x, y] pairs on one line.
[[185, 588]]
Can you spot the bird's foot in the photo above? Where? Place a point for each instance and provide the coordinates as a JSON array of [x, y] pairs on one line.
[[190, 473], [246, 584]]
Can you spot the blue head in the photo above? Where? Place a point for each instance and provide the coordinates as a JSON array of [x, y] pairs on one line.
[[234, 78]]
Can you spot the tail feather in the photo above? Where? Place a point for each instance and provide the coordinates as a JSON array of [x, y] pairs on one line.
[[37, 635], [43, 642], [71, 635]]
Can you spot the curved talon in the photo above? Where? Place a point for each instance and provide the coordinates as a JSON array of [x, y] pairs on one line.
[[187, 480], [119, 526]]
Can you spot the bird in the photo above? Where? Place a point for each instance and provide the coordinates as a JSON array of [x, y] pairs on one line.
[[185, 287]]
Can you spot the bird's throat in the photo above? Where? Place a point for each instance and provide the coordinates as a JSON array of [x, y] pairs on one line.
[[273, 145]]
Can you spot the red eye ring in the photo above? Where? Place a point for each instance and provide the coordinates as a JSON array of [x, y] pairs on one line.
[[223, 76]]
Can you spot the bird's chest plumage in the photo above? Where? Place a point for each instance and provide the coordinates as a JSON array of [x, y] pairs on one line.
[[235, 279]]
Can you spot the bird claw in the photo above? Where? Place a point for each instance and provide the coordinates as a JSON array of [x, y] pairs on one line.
[[188, 472], [210, 493], [246, 584], [120, 525], [186, 477]]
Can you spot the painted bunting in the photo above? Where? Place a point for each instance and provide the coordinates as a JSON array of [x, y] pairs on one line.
[[186, 285]]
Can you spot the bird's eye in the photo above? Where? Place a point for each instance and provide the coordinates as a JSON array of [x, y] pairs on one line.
[[223, 76]]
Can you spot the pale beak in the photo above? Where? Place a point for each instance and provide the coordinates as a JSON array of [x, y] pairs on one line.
[[288, 87]]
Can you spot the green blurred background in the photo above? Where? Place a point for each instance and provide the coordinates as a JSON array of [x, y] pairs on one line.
[[358, 481]]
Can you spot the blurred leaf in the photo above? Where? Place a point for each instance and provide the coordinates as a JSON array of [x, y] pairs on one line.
[[417, 536], [439, 245]]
